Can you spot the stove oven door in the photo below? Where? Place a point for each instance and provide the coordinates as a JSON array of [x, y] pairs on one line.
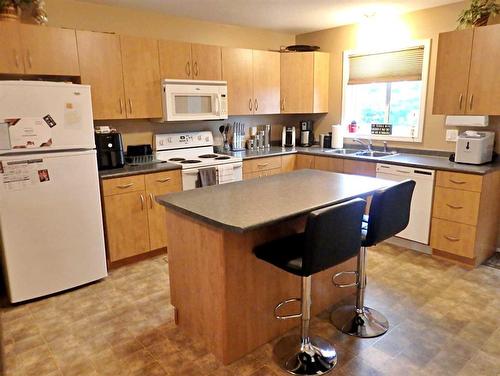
[[189, 178], [226, 173]]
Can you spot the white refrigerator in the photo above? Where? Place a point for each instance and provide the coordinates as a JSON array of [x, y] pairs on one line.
[[51, 230]]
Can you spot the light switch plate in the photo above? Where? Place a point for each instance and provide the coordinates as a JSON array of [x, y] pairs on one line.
[[451, 135]]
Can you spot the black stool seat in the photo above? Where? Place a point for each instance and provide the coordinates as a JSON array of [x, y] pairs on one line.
[[285, 253]]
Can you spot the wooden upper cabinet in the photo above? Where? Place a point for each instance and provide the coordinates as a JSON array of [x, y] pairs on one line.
[[206, 62], [11, 61], [452, 72], [237, 70], [49, 50], [141, 77], [484, 78], [175, 60], [304, 82], [101, 68], [266, 82]]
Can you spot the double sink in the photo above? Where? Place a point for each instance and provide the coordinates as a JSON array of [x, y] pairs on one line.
[[361, 153]]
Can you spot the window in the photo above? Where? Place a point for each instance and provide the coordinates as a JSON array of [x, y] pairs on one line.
[[384, 93]]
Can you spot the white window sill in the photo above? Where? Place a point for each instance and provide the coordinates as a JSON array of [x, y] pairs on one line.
[[351, 136]]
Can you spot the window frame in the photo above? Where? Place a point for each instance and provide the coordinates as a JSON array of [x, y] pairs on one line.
[[426, 43]]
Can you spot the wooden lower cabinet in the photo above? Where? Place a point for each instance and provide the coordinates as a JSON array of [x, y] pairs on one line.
[[304, 161], [134, 221], [329, 164], [360, 167]]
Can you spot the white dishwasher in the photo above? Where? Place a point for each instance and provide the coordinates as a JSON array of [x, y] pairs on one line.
[[421, 204]]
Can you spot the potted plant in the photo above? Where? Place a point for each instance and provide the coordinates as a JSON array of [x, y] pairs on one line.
[[478, 13], [10, 10]]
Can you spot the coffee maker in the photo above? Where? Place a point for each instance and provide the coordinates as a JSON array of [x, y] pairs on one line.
[[288, 137], [306, 133]]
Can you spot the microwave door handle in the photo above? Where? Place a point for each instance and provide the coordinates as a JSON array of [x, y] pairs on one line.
[[217, 105]]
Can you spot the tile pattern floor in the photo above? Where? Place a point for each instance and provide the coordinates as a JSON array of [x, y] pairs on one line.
[[444, 321]]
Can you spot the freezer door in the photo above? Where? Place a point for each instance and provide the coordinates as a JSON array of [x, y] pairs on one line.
[[51, 223], [42, 116]]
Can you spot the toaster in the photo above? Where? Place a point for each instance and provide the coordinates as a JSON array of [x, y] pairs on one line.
[[474, 147]]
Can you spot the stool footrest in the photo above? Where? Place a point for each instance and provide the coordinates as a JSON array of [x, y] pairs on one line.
[[286, 317], [343, 285]]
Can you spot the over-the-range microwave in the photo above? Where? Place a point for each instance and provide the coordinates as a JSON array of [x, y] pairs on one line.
[[185, 100]]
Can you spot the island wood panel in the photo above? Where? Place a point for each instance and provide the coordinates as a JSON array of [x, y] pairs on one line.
[[101, 68], [206, 62], [452, 72], [237, 70], [484, 78], [225, 296], [49, 50], [329, 164], [175, 60], [11, 61]]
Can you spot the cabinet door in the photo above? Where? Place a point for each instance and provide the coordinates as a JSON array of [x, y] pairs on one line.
[[329, 164], [321, 81], [288, 162], [237, 70], [359, 168], [126, 225], [49, 50], [159, 184], [11, 61], [206, 62], [101, 68], [452, 72], [266, 82], [297, 82], [484, 79], [304, 161], [141, 77], [175, 60]]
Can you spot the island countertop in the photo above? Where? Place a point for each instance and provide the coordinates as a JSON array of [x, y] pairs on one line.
[[247, 205]]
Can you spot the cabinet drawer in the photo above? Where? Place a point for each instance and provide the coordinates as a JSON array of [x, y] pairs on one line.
[[262, 164], [163, 182], [456, 205], [452, 237], [466, 182], [123, 185]]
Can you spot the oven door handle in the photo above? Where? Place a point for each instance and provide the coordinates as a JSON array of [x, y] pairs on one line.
[[190, 172]]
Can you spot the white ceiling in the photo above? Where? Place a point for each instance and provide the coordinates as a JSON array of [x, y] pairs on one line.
[[291, 16]]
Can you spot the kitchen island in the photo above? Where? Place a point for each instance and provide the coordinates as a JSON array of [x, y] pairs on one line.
[[222, 293]]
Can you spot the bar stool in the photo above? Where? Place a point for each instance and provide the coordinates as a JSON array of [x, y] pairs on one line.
[[389, 214], [331, 237]]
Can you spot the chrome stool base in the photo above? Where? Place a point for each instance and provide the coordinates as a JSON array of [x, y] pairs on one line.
[[365, 323], [316, 357]]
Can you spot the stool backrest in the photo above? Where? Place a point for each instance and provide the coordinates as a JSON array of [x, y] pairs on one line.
[[332, 235], [389, 212]]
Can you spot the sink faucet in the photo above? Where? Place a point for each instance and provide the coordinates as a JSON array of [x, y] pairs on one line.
[[385, 146], [367, 143]]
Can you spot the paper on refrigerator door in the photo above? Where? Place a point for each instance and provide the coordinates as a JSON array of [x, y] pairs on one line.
[[72, 115], [23, 174], [31, 132]]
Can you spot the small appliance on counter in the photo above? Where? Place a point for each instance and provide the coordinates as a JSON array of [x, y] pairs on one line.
[[306, 133], [139, 154], [337, 141], [288, 137], [474, 147], [260, 137], [109, 148]]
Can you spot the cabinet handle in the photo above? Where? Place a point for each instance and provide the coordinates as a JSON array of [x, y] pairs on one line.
[[451, 238], [16, 58], [250, 104], [256, 104], [142, 201], [471, 101], [130, 104], [151, 200], [30, 60], [263, 165], [460, 101], [188, 69], [284, 101], [163, 180], [457, 181], [121, 106], [195, 69], [454, 207], [124, 186]]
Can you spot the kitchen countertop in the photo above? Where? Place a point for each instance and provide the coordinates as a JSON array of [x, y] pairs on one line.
[[403, 159], [228, 206], [129, 170]]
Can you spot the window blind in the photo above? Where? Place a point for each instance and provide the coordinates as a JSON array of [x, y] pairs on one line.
[[401, 65]]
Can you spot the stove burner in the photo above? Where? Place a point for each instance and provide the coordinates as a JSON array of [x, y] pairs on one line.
[[177, 159], [222, 157], [208, 156], [190, 161]]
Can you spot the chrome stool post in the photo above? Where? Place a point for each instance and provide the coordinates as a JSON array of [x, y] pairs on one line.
[[358, 320], [304, 355]]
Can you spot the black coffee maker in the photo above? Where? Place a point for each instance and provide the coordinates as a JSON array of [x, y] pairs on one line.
[[306, 133], [109, 148]]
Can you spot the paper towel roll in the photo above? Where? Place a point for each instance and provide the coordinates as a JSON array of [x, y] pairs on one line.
[[337, 137]]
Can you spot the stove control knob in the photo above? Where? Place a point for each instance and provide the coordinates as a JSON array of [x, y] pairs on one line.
[[161, 142], [169, 140]]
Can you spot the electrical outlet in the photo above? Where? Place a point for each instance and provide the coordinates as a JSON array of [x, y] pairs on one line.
[[451, 135]]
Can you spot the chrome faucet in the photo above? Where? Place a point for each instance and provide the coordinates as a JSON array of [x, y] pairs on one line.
[[385, 146], [367, 143]]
